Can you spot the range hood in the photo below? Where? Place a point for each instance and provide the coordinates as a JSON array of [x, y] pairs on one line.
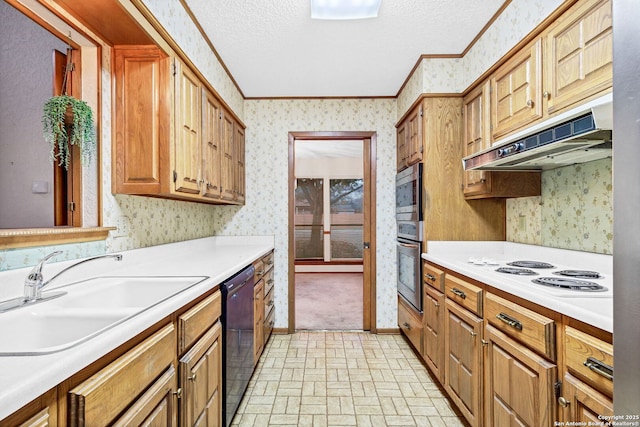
[[580, 135]]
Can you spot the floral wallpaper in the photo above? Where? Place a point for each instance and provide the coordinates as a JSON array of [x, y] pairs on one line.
[[575, 210], [268, 125]]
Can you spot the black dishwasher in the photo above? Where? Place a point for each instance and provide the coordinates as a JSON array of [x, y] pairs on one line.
[[237, 332]]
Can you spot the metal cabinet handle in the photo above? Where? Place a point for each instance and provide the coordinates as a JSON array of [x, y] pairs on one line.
[[514, 323], [178, 393], [406, 325], [270, 303], [546, 94], [473, 334], [192, 377], [430, 277], [563, 402], [599, 367], [459, 293], [529, 103], [436, 303], [485, 342], [259, 273]]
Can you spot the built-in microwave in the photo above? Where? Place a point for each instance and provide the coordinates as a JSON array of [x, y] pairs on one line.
[[409, 191]]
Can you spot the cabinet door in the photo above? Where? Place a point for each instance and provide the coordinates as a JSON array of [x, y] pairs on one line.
[[433, 327], [415, 147], [142, 118], [463, 361], [258, 320], [187, 148], [227, 158], [579, 54], [518, 384], [583, 404], [240, 166], [211, 146], [477, 137], [200, 373], [42, 412], [156, 407], [402, 145], [516, 98]]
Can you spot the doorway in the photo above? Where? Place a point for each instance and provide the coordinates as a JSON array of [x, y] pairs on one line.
[[332, 232]]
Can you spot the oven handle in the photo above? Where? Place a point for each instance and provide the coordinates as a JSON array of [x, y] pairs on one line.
[[408, 245]]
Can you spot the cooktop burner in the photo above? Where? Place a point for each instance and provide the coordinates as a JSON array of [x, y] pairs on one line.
[[530, 264], [579, 274], [518, 271], [572, 284]]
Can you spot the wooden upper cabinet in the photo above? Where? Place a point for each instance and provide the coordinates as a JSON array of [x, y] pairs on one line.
[[227, 157], [173, 137], [188, 145], [402, 142], [578, 54], [477, 137], [516, 98], [239, 173], [143, 102], [410, 139], [212, 146]]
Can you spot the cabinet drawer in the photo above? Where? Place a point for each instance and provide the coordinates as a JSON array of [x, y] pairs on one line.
[[268, 280], [195, 321], [433, 276], [410, 323], [268, 324], [530, 328], [268, 301], [268, 261], [590, 359], [467, 295], [99, 399]]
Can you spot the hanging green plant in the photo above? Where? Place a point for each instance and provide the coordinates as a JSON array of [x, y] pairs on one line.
[[62, 133]]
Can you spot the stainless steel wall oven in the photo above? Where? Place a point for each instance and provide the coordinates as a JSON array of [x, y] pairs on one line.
[[409, 228]]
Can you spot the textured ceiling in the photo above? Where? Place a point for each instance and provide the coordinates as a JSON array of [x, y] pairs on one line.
[[274, 49]]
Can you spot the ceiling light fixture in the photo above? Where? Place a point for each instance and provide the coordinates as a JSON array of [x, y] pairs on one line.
[[344, 9]]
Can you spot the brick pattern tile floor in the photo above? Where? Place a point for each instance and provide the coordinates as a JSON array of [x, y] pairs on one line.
[[342, 379]]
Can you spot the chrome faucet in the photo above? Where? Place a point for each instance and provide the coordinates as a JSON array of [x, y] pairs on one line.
[[34, 283]]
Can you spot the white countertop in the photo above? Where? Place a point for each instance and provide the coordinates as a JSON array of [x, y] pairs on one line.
[[479, 260], [23, 378]]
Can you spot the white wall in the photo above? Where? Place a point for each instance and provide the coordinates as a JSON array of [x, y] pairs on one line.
[[26, 83]]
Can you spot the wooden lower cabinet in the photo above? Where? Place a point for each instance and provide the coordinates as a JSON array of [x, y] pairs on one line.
[[582, 403], [156, 407], [518, 384], [433, 325], [258, 321], [463, 361], [200, 380], [42, 412]]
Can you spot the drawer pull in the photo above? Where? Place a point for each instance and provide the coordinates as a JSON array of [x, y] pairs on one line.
[[436, 303], [178, 393], [485, 342], [599, 368], [192, 377], [514, 323], [430, 277], [563, 402], [406, 325], [473, 334], [259, 273], [270, 303], [459, 293]]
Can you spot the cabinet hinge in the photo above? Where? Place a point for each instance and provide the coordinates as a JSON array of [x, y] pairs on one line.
[[175, 176], [174, 69], [557, 388], [71, 206]]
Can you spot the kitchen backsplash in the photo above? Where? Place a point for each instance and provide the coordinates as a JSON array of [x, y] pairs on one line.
[[575, 210]]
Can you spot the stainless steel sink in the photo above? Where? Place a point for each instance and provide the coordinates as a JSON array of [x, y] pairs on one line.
[[89, 308]]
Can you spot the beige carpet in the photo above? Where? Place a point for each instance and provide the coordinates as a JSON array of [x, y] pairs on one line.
[[329, 301]]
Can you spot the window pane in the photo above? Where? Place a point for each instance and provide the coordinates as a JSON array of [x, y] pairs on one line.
[[346, 218], [308, 218]]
